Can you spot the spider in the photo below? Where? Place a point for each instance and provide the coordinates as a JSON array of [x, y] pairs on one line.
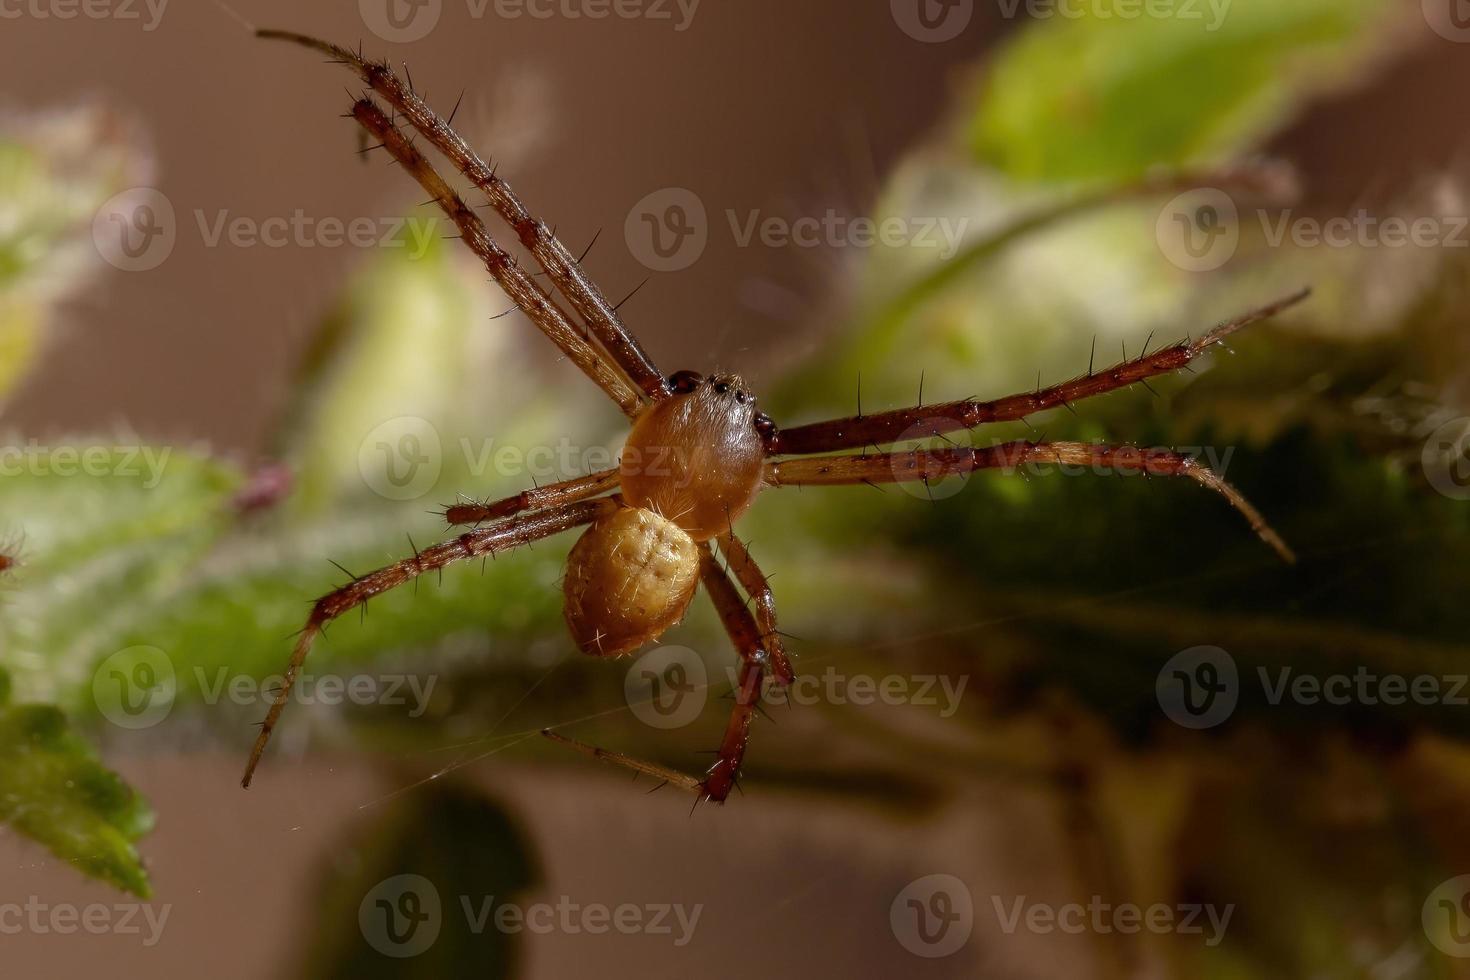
[[698, 454]]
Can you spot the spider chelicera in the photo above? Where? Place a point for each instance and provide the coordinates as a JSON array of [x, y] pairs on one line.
[[698, 455]]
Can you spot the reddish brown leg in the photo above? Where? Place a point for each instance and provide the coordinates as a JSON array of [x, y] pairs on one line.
[[538, 498], [472, 544], [755, 584], [887, 427], [550, 253], [933, 465], [542, 310], [721, 777]]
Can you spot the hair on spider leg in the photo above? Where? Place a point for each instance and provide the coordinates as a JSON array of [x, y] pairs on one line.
[[351, 576], [636, 289]]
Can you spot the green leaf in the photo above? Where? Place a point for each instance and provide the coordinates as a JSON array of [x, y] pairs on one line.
[[1101, 96], [55, 791], [106, 527]]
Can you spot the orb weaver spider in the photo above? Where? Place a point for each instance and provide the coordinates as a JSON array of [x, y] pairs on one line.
[[698, 454]]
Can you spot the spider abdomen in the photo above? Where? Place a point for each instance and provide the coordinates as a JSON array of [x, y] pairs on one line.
[[629, 578]]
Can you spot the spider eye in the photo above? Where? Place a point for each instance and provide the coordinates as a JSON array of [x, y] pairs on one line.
[[764, 425], [683, 382], [721, 388]]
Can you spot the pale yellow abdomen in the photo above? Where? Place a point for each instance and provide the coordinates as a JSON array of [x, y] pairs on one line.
[[629, 578]]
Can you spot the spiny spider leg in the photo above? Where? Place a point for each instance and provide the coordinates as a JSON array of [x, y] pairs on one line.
[[887, 427], [755, 584], [537, 498], [561, 267], [472, 544], [536, 304], [721, 777], [933, 465]]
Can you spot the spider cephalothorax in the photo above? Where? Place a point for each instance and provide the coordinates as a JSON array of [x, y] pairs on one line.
[[697, 455]]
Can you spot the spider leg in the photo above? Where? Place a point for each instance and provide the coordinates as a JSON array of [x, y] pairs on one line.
[[472, 544], [739, 622], [932, 465], [889, 427], [745, 633], [538, 498], [758, 587], [561, 267], [542, 310]]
